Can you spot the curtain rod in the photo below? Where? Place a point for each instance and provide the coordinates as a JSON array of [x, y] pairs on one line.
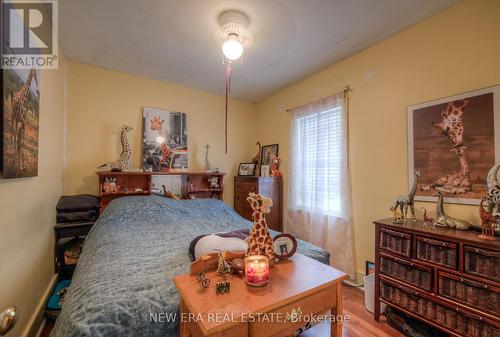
[[310, 100]]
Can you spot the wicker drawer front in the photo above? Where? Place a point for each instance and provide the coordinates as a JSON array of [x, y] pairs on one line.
[[478, 295], [453, 319], [438, 252], [482, 262], [406, 271], [395, 242]]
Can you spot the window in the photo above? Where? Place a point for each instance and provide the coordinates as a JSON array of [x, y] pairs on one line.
[[319, 163]]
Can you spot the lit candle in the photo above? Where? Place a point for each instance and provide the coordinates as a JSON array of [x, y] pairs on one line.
[[257, 270]]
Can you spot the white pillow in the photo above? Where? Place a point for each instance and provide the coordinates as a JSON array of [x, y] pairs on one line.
[[210, 243]]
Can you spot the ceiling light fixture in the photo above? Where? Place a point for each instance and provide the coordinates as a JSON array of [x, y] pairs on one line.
[[235, 35], [234, 31]]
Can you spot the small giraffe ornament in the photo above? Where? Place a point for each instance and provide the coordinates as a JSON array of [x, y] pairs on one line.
[[260, 241]]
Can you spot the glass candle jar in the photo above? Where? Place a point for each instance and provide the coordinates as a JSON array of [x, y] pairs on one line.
[[256, 270]]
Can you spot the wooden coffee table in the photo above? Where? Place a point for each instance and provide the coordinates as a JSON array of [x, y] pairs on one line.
[[299, 283]]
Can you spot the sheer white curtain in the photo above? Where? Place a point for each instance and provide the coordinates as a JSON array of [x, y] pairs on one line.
[[318, 201]]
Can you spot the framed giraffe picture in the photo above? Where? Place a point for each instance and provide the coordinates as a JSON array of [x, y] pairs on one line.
[[20, 121], [164, 145], [453, 142]]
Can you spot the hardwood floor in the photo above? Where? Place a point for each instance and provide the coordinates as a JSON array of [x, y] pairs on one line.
[[361, 324]]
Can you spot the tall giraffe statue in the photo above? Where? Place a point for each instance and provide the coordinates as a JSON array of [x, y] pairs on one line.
[[260, 241], [406, 201], [19, 113], [125, 159]]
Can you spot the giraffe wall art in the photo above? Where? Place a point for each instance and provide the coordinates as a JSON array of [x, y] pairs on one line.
[[21, 104], [452, 143], [165, 140]]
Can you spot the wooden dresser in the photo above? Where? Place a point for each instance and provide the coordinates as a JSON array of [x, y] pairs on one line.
[[449, 279], [271, 187]]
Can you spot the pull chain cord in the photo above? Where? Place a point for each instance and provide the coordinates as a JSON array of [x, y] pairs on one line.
[[228, 91]]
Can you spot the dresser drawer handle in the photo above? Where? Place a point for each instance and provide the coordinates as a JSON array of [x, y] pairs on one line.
[[485, 252], [439, 243], [474, 284]]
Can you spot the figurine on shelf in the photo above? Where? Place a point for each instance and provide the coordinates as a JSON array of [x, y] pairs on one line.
[[213, 182], [444, 220], [428, 222], [109, 185], [208, 166], [125, 159], [223, 267], [397, 217], [488, 222], [256, 159], [275, 166], [406, 201]]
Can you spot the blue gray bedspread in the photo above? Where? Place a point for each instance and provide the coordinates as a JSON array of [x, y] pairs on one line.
[[124, 274]]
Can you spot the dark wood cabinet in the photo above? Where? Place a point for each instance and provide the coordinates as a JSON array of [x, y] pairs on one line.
[[271, 187], [447, 278]]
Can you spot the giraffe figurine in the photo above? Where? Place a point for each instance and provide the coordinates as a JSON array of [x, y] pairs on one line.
[[19, 113], [260, 241], [125, 159], [444, 220], [488, 222], [407, 201]]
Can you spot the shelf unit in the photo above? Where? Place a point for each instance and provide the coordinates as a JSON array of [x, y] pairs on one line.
[[127, 183], [194, 184]]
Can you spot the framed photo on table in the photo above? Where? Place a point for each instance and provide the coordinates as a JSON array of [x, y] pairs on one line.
[[453, 142], [246, 169]]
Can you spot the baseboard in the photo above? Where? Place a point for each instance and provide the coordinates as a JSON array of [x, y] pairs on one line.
[[37, 320]]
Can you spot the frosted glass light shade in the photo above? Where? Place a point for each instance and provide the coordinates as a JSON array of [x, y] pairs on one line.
[[232, 49]]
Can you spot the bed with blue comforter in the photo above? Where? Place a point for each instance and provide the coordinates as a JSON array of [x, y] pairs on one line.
[[124, 274]]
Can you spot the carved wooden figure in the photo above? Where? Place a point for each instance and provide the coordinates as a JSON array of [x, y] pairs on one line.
[[444, 220], [488, 222], [406, 201]]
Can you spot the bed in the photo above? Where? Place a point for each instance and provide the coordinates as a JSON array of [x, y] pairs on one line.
[[123, 281]]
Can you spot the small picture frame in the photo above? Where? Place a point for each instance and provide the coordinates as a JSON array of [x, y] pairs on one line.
[[284, 246], [246, 169], [264, 171], [369, 268], [267, 153]]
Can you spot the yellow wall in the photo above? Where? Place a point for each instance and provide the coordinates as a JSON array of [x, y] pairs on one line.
[[453, 52], [100, 101], [27, 210]]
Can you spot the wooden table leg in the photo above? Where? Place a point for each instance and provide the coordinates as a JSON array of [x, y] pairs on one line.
[[336, 328]]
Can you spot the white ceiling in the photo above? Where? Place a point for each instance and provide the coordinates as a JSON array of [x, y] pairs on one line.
[[174, 40]]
